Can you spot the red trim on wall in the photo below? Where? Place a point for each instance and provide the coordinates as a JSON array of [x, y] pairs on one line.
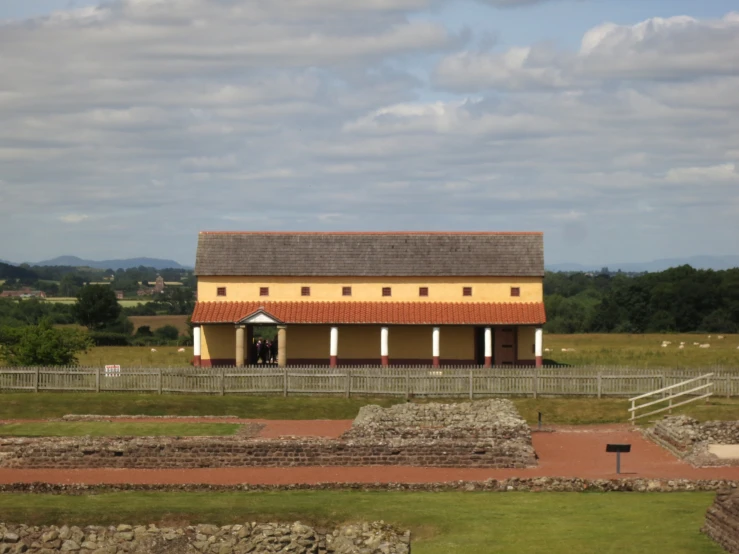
[[539, 361], [384, 361], [196, 361], [488, 361], [435, 362], [333, 362], [373, 362]]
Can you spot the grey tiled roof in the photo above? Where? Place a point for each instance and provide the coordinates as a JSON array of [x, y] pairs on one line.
[[370, 254]]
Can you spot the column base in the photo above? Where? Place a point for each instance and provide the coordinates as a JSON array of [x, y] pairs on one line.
[[196, 361], [539, 361], [488, 361], [436, 361], [384, 361], [333, 362]]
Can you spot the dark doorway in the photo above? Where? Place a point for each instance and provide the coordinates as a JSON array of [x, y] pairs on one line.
[[505, 346]]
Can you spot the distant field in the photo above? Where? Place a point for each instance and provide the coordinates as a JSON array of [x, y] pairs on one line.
[[643, 351], [72, 300], [157, 321], [137, 356]]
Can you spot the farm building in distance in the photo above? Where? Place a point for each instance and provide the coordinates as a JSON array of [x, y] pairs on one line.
[[371, 298]]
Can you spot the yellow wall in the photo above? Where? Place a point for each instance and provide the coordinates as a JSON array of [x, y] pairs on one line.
[[218, 342], [441, 289], [362, 342], [526, 339]]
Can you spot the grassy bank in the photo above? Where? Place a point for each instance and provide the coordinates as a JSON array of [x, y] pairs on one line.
[[644, 351], [441, 523], [562, 411], [116, 429]]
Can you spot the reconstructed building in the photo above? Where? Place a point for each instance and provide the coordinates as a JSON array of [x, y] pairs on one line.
[[371, 298]]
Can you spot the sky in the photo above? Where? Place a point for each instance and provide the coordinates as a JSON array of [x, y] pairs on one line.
[[130, 125]]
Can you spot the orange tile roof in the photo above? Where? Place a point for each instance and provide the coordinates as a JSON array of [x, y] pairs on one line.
[[391, 313]]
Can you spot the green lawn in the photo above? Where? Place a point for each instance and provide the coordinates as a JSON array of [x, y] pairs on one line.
[[441, 523], [116, 429], [563, 411], [51, 405], [643, 351]]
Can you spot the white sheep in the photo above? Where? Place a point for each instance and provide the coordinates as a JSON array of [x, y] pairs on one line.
[[696, 343], [705, 346], [180, 350], [681, 346], [153, 349], [720, 337], [547, 350]]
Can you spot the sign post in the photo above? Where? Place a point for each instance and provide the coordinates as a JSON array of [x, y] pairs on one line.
[[618, 448]]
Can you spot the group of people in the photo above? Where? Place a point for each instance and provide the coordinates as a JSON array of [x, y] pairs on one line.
[[265, 351]]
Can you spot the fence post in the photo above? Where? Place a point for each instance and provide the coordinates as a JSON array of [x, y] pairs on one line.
[[284, 382], [36, 379], [159, 380], [348, 382], [600, 385], [97, 378], [535, 383], [223, 381], [407, 385], [472, 384]]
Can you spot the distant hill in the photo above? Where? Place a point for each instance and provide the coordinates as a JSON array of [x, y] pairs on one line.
[[74, 261], [698, 262]]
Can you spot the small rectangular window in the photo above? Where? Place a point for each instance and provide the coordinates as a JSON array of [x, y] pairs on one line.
[[346, 291], [221, 291], [263, 291], [386, 291], [423, 291], [515, 291], [466, 291], [304, 291]]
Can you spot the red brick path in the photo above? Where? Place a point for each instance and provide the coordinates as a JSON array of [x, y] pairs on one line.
[[566, 452]]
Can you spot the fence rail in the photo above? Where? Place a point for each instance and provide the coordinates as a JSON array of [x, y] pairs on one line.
[[693, 389], [469, 382]]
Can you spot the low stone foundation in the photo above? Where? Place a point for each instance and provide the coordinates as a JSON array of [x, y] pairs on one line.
[[722, 520], [485, 434], [252, 538], [688, 439], [215, 452]]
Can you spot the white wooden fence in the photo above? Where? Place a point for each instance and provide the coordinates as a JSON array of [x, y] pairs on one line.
[[686, 392], [470, 382]]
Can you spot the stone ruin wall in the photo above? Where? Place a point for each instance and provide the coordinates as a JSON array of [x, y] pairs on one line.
[[688, 439], [722, 520], [486, 434], [252, 538]]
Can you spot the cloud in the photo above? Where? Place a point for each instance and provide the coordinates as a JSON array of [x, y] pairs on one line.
[[145, 121], [73, 218], [677, 48]]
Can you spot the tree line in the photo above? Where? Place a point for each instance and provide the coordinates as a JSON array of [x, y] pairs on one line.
[[681, 299]]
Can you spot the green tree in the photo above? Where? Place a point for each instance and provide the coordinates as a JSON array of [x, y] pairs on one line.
[[42, 345], [167, 332], [96, 306]]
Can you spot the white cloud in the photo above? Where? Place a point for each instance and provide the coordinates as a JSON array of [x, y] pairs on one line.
[[73, 218], [655, 49], [723, 173]]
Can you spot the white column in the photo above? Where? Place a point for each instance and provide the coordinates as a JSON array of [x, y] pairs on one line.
[[384, 349], [538, 340], [488, 346], [196, 345], [334, 347], [435, 345]]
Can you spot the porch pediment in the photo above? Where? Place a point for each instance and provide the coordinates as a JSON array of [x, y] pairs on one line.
[[261, 317]]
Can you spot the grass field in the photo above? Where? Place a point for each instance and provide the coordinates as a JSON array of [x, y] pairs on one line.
[[562, 411], [71, 300], [440, 523], [157, 321], [116, 429], [136, 356], [643, 351]]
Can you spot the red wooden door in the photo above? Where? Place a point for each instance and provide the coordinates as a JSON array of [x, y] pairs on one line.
[[505, 346]]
